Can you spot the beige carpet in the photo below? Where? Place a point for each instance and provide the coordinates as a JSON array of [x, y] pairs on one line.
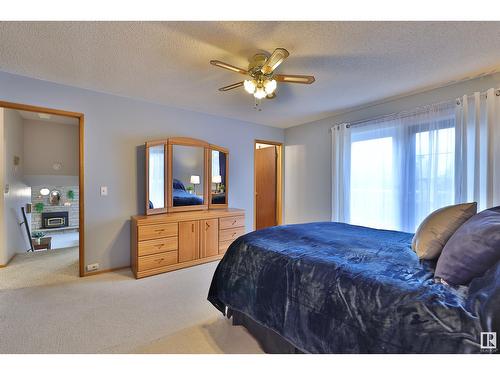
[[40, 268], [46, 308]]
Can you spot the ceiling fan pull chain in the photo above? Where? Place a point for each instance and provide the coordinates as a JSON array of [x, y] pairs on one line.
[[257, 104]]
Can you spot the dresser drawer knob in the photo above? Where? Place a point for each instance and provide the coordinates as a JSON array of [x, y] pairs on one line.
[[234, 222], [160, 260], [159, 230], [159, 246]]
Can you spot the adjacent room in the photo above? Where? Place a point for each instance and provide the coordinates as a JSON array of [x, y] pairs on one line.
[[250, 187], [41, 196]]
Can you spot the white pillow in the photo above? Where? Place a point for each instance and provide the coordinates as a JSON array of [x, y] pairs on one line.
[[437, 228]]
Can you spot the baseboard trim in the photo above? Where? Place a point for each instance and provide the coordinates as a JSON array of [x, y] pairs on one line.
[[10, 260], [105, 271]]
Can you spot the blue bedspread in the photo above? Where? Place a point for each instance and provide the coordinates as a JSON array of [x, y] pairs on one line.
[[338, 288], [183, 198]]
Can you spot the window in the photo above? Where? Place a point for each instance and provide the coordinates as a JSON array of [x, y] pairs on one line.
[[398, 170], [373, 183]]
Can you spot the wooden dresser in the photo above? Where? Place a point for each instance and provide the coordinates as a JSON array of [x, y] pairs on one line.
[[167, 242]]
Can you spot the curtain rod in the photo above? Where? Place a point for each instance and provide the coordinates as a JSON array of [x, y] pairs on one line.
[[401, 114], [405, 113], [485, 93]]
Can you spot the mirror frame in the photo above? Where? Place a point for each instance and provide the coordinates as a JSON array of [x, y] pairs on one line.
[[183, 141], [209, 179], [152, 211], [207, 174]]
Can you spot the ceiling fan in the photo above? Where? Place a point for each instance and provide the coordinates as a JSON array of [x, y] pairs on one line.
[[262, 81]]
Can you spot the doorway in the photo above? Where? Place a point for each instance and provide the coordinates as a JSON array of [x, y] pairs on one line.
[[267, 184], [51, 214]]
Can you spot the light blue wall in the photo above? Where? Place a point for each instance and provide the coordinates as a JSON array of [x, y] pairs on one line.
[[308, 149], [115, 131], [13, 238]]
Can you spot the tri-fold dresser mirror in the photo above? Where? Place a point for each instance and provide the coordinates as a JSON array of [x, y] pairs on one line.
[[185, 174], [188, 221]]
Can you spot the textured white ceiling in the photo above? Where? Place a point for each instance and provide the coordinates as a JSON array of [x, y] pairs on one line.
[[168, 62]]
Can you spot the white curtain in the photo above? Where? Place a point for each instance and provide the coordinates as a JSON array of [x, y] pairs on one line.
[[215, 164], [392, 171], [157, 176], [478, 148], [340, 160]]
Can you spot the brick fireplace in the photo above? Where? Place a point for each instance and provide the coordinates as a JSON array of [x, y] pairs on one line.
[[66, 205]]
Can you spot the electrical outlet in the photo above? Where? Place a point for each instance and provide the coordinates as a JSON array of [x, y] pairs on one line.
[[104, 191], [92, 267]]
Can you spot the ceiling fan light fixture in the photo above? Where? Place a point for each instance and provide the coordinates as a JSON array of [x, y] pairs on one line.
[[249, 86], [260, 93], [262, 80], [270, 86]]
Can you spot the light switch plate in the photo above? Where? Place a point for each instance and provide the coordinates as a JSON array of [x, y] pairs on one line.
[[104, 191]]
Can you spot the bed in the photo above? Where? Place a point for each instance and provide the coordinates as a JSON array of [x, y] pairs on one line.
[[181, 197], [339, 288]]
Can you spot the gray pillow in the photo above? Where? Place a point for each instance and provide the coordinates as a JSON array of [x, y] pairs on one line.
[[472, 250], [437, 228]]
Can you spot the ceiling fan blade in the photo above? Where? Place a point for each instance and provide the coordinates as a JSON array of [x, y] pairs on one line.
[[230, 87], [290, 78], [276, 58], [224, 65]]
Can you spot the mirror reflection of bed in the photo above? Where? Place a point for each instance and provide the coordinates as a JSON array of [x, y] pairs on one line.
[[187, 173]]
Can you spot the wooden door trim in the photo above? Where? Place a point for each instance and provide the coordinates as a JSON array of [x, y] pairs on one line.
[[81, 200], [279, 181]]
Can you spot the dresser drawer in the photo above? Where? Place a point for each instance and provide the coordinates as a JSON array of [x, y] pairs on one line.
[[230, 234], [224, 245], [157, 246], [157, 260], [231, 222], [150, 232]]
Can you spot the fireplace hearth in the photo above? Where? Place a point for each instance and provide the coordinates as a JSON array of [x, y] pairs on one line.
[[55, 219]]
